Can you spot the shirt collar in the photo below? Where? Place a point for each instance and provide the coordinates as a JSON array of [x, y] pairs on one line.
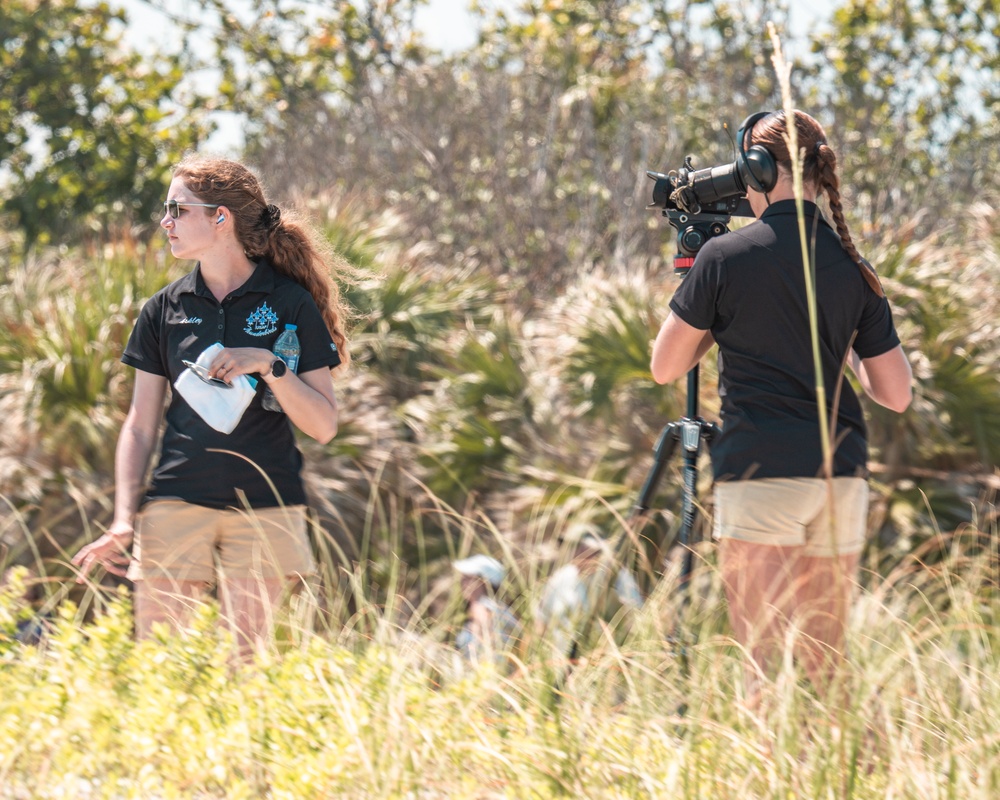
[[261, 281], [781, 207]]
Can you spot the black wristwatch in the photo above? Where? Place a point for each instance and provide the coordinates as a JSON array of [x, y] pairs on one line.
[[278, 368]]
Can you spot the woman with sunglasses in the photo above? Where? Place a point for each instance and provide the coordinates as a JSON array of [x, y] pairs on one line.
[[789, 537], [223, 509]]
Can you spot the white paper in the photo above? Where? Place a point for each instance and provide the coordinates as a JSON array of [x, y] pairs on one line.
[[220, 407]]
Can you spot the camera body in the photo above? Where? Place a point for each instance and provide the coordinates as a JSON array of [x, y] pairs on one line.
[[715, 190], [699, 205]]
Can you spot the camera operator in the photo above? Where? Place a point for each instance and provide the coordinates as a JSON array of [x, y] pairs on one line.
[[789, 538]]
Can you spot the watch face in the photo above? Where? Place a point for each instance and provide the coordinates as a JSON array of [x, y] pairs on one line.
[[278, 368]]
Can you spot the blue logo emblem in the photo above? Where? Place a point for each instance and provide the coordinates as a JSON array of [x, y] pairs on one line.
[[262, 322]]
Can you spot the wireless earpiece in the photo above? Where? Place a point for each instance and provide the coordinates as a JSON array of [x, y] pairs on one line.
[[221, 219]]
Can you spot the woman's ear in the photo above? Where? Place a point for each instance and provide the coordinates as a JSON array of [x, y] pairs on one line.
[[222, 215]]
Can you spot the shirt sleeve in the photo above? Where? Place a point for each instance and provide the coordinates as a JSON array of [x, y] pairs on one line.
[[696, 300], [318, 348], [143, 348], [876, 331]]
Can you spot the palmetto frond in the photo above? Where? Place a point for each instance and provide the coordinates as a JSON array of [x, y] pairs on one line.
[[946, 303], [63, 326], [479, 417], [612, 323], [945, 318]]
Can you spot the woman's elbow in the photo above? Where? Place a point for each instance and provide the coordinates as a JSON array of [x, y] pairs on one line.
[[900, 400], [670, 374], [665, 369], [895, 398], [325, 434], [889, 380], [323, 427]]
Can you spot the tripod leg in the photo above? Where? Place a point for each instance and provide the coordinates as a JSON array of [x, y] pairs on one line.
[[662, 453], [691, 441], [692, 428], [653, 546]]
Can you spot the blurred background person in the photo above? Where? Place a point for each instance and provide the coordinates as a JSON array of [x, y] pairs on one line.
[[490, 628], [591, 586]]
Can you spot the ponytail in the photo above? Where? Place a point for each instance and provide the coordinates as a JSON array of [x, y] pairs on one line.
[[293, 252]]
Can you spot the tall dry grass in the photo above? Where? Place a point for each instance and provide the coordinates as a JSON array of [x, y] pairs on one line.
[[366, 697]]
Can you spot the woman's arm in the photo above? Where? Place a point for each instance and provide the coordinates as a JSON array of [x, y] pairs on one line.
[[307, 399], [135, 446], [678, 347], [887, 379]]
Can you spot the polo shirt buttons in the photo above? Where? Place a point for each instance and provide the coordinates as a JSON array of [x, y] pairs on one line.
[[222, 316]]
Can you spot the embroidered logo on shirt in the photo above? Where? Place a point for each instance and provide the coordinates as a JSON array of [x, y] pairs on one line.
[[190, 321], [262, 322]]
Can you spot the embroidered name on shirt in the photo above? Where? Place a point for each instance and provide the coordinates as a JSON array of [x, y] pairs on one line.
[[262, 322], [190, 321]]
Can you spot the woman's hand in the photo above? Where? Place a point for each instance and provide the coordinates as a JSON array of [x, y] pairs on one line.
[[308, 399], [109, 551], [231, 362]]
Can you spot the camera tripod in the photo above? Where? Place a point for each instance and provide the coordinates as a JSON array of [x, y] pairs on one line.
[[690, 431]]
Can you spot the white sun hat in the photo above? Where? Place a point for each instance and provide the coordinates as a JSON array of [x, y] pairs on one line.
[[482, 566]]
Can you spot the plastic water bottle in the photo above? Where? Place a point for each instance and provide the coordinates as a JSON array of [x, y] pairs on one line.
[[287, 349]]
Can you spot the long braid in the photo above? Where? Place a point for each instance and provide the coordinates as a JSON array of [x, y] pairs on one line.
[[828, 181], [819, 168]]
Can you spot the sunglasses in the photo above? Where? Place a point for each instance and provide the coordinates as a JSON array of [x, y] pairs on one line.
[[173, 208], [204, 374]]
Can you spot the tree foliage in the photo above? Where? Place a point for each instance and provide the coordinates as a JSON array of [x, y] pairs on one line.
[[527, 148], [87, 126], [913, 89]]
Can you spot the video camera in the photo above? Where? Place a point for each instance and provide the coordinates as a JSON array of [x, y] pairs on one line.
[[716, 190], [700, 203]]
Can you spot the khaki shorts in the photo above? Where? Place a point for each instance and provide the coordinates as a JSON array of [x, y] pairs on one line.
[[793, 512], [183, 542]]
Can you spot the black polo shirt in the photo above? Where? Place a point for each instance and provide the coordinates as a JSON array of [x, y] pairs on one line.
[[199, 464], [748, 287]]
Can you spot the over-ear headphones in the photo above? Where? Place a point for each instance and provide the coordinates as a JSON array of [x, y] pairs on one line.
[[756, 166], [221, 219]]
